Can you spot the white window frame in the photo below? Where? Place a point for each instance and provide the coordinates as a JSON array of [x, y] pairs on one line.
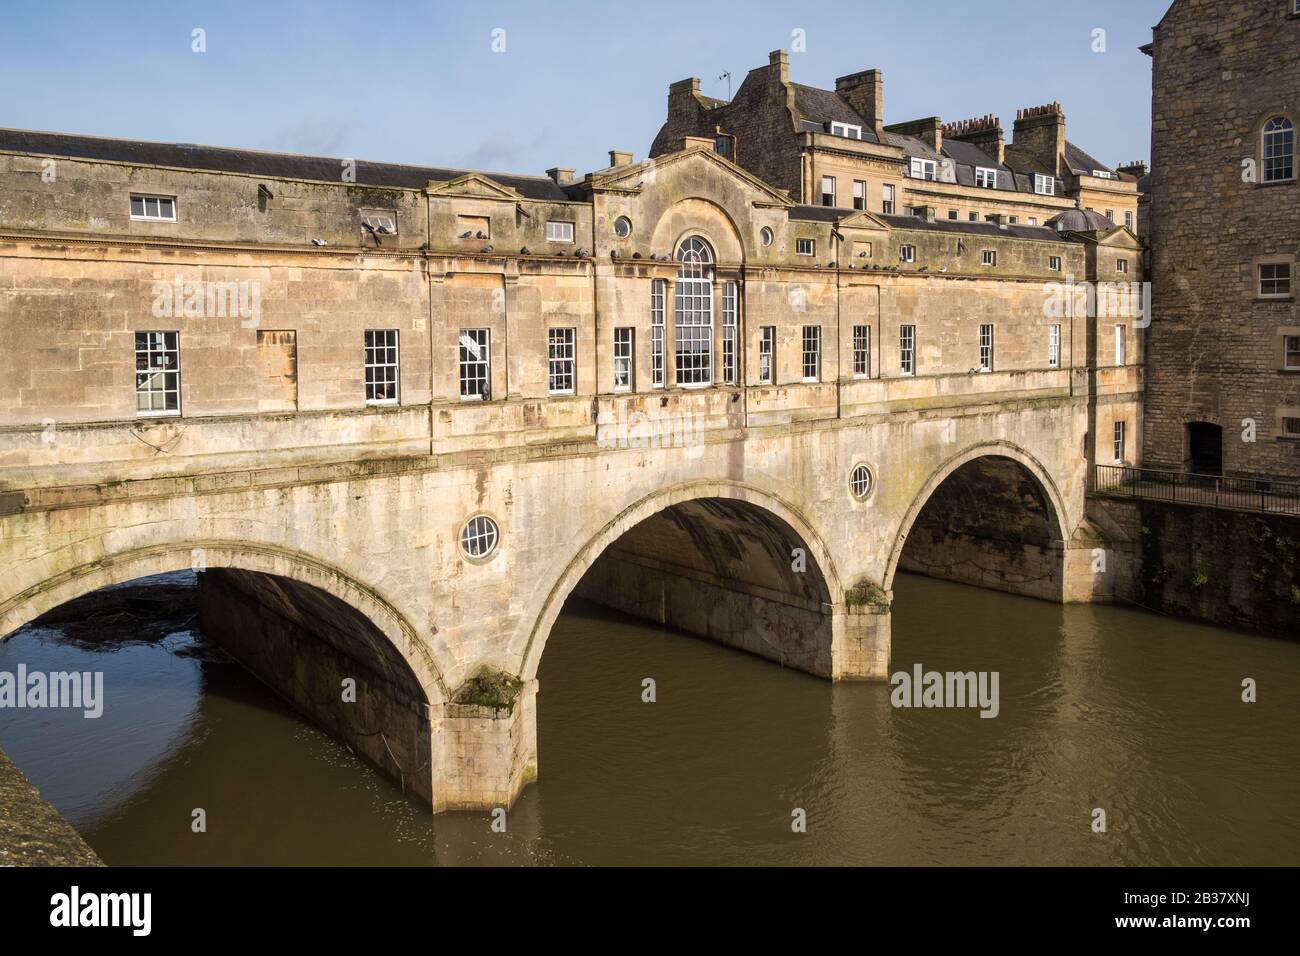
[[846, 129], [1054, 263], [1121, 266], [986, 178], [805, 244], [907, 253], [561, 361], [1118, 433], [624, 351], [382, 364], [862, 351], [1279, 292], [564, 230], [145, 199], [1287, 352], [693, 315], [907, 350], [159, 377], [927, 169], [1121, 344], [1290, 426], [474, 364], [1275, 145], [1128, 219], [811, 353], [887, 199], [859, 194], [1044, 185], [730, 323], [767, 355], [988, 257], [658, 295], [986, 348], [1053, 346], [828, 193]]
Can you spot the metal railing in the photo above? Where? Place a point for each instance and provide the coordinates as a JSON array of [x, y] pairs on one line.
[[1210, 491]]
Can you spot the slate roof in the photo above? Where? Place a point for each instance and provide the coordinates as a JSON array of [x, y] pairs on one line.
[[820, 108], [1081, 162], [834, 214], [257, 162], [1080, 220]]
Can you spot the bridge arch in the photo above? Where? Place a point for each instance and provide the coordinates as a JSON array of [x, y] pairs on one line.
[[1014, 536], [704, 511], [29, 604]]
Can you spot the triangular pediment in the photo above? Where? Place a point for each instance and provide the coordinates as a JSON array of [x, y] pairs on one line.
[[635, 178], [861, 219], [476, 186]]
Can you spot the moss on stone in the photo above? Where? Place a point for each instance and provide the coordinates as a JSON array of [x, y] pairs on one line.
[[489, 688], [866, 594]]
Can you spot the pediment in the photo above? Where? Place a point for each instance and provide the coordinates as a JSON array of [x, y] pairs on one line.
[[634, 178], [475, 186]]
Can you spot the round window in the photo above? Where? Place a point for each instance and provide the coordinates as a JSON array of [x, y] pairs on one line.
[[479, 537], [860, 482], [765, 235], [622, 227]]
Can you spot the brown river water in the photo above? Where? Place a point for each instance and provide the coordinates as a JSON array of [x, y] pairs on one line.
[[1099, 707]]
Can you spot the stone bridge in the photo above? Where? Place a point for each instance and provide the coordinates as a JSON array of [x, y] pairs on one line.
[[317, 573]]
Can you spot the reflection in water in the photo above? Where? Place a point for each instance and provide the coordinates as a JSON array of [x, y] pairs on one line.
[[1100, 707]]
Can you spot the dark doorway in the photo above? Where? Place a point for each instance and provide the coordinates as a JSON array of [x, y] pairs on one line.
[[1205, 448]]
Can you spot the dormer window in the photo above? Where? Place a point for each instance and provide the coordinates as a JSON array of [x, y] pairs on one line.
[[923, 168], [1044, 185], [844, 129], [986, 178], [1103, 174], [161, 208]]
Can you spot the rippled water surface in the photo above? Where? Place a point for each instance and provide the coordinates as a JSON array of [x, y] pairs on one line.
[[1100, 708]]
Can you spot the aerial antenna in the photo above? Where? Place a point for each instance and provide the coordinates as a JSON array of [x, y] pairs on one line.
[[726, 75]]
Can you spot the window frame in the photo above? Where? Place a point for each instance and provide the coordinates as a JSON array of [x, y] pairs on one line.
[[929, 169], [1054, 346], [907, 252], [1121, 345], [1285, 293], [152, 371], [658, 304], [887, 199], [828, 194], [811, 353], [481, 365], [624, 356], [843, 129], [562, 364], [986, 348], [799, 247], [1041, 181], [1053, 263], [145, 199], [907, 350], [861, 351], [730, 326], [1118, 434], [860, 194], [767, 350], [372, 347], [989, 175], [989, 257], [1284, 132], [692, 302], [1287, 351], [559, 222]]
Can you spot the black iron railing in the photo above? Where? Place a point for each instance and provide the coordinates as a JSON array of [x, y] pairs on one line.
[[1211, 491]]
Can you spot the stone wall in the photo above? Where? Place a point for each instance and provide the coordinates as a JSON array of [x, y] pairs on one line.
[[1220, 72]]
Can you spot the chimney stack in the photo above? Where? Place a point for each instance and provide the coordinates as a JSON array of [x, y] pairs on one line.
[[561, 175], [1137, 169], [865, 92], [984, 132], [619, 158], [1040, 133], [779, 60], [928, 131]]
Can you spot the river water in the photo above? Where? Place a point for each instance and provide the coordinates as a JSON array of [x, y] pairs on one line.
[[1099, 708]]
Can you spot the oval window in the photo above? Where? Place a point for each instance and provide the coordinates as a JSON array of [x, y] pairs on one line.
[[765, 235], [478, 538], [860, 482], [622, 227]]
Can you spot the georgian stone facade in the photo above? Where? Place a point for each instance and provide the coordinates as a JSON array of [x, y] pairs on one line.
[[1223, 392]]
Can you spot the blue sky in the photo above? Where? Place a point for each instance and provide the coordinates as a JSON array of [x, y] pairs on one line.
[[418, 82]]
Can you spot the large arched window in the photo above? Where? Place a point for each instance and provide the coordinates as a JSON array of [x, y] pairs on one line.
[[1279, 150], [693, 313]]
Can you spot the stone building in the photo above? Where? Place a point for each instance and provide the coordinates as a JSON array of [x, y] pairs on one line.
[[833, 148], [1223, 387], [397, 415]]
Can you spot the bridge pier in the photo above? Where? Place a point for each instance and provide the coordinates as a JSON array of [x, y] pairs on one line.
[[484, 756], [862, 643]]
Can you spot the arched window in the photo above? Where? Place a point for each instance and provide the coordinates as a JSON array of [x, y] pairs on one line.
[[1279, 150], [693, 313]]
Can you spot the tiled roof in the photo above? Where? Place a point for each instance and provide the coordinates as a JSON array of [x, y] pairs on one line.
[[1081, 162], [822, 107], [819, 213], [973, 228], [257, 162]]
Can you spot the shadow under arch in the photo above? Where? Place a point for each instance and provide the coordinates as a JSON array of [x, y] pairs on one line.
[[992, 516], [727, 521], [123, 567]]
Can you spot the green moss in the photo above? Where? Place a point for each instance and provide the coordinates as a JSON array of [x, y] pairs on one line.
[[866, 594], [489, 688]]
